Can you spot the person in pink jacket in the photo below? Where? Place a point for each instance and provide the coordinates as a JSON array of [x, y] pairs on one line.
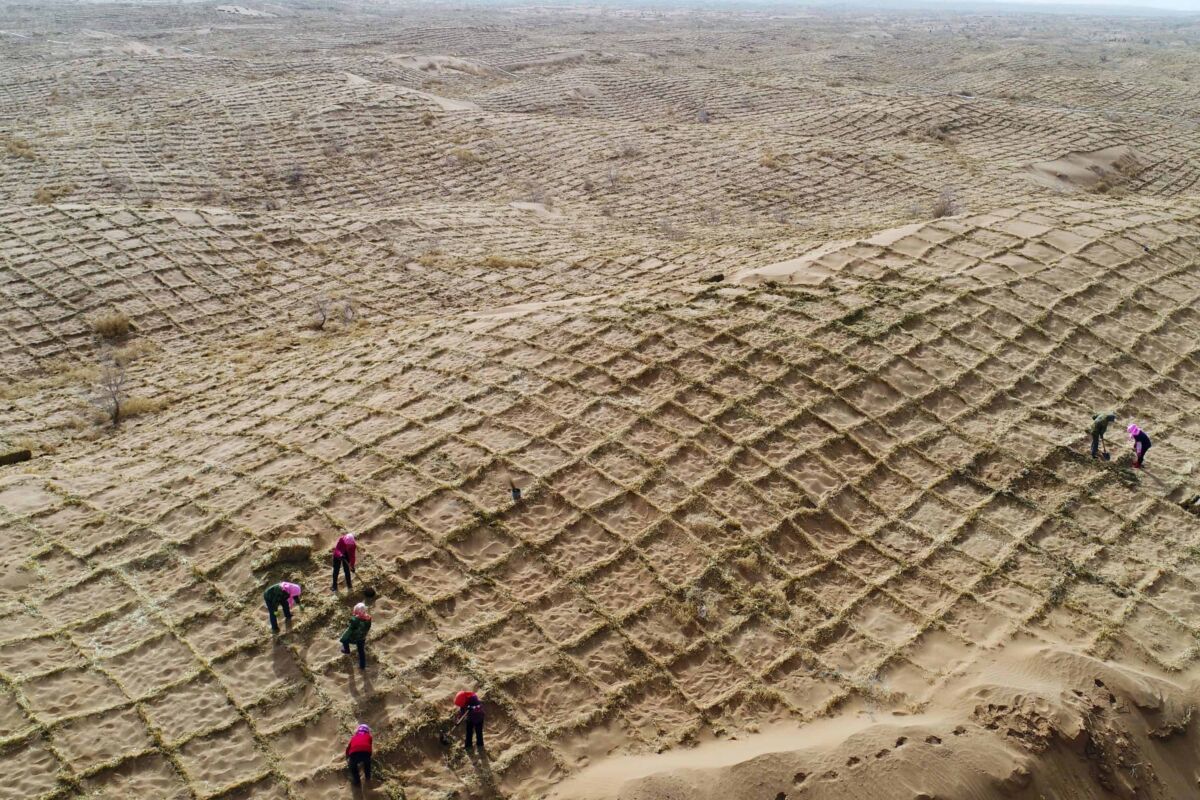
[[345, 557]]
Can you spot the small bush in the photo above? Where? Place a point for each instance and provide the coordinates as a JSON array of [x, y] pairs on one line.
[[628, 150], [52, 194], [430, 258], [112, 326], [19, 148], [769, 159], [507, 262], [295, 176], [465, 155], [136, 406], [946, 205], [109, 392], [939, 133], [134, 351]]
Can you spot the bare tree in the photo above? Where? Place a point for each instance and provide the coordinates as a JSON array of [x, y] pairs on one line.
[[108, 393], [613, 177], [321, 307]]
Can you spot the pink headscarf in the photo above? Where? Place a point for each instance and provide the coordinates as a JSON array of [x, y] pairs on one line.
[[361, 612], [1133, 429], [293, 590], [363, 729]]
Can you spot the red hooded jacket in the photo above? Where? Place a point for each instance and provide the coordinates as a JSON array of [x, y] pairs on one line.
[[360, 742], [346, 548]]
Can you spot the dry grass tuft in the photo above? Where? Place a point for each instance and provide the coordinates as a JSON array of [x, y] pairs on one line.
[[935, 132], [946, 205], [508, 262], [19, 148], [48, 195], [465, 155], [136, 406], [770, 159], [112, 326]]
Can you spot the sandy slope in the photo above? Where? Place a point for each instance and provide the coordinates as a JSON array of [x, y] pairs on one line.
[[744, 507], [1035, 721], [807, 505]]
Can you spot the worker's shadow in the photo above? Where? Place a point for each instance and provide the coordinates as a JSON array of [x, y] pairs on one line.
[[483, 769], [354, 675], [282, 662]]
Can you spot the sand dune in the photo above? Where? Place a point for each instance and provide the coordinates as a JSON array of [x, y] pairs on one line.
[[1038, 721], [1107, 168], [790, 351]]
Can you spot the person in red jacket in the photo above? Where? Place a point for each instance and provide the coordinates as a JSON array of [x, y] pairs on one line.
[[472, 713], [359, 752], [345, 556]]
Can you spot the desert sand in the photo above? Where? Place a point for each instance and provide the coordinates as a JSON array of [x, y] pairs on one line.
[[788, 323]]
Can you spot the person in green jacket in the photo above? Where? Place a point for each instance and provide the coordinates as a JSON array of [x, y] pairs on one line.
[[1099, 428], [356, 633]]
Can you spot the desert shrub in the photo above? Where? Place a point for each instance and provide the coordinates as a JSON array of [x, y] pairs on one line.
[[322, 307], [111, 326], [136, 406], [430, 258], [703, 116], [769, 159], [946, 205], [935, 132], [294, 176], [108, 392], [627, 150], [138, 349], [465, 155], [19, 148], [119, 183], [507, 262], [427, 119], [52, 194], [326, 308]]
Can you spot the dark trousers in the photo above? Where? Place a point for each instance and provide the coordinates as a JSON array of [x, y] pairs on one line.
[[1140, 452], [477, 729], [344, 563], [1095, 444], [362, 653], [352, 762], [287, 614]]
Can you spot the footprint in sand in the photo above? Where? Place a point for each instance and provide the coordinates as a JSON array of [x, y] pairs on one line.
[[903, 740], [799, 778], [933, 740]]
